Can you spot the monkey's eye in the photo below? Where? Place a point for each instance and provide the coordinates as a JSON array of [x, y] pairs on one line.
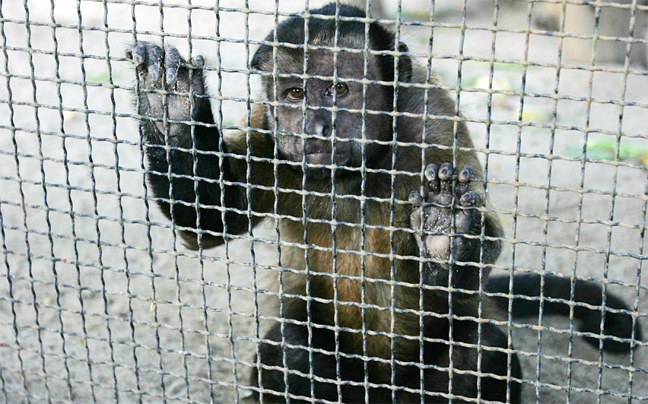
[[295, 94], [340, 89]]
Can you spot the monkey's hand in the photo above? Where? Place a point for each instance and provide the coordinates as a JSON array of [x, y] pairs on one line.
[[443, 218], [171, 91]]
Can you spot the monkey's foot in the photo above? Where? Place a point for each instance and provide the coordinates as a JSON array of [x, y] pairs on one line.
[[166, 83], [445, 214]]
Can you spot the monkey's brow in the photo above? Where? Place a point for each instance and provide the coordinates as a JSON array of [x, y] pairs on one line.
[[331, 48], [324, 78], [332, 78], [319, 82]]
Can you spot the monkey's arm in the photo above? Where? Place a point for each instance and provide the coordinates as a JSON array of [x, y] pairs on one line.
[[185, 167], [446, 238], [448, 227]]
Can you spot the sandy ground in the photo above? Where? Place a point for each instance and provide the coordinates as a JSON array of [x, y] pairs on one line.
[[99, 301]]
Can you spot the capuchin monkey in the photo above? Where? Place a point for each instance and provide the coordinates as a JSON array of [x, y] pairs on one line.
[[379, 197]]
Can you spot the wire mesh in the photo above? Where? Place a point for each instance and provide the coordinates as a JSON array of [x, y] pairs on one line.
[[101, 301]]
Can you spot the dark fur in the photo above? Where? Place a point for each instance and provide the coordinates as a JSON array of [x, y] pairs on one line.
[[391, 320]]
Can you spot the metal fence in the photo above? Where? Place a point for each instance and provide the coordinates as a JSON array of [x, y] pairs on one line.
[[99, 299]]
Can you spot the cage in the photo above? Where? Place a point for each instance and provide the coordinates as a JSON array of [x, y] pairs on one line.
[[101, 299]]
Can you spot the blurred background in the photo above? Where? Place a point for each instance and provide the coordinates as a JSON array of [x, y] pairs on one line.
[[100, 302]]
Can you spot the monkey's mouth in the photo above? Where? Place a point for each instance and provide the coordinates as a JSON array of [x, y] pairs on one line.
[[321, 153], [327, 158], [318, 158]]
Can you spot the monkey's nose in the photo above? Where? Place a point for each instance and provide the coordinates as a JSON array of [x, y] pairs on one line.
[[322, 130]]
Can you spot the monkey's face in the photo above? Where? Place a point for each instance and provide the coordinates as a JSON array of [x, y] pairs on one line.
[[326, 119]]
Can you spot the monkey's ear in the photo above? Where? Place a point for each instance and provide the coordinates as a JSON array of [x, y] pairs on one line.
[[404, 64]]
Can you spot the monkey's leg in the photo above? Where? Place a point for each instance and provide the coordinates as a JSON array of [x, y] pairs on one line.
[[285, 357], [446, 216], [474, 365]]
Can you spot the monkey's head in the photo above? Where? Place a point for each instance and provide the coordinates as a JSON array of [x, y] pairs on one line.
[[322, 88]]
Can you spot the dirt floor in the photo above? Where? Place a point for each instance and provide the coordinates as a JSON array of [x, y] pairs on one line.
[[100, 302]]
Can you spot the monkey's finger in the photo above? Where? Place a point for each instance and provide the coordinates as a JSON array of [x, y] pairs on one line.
[[134, 53], [198, 62], [465, 175], [418, 215], [464, 178], [465, 216], [415, 198], [431, 174], [458, 248], [470, 199], [138, 54], [154, 61], [133, 56], [445, 177], [172, 64]]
